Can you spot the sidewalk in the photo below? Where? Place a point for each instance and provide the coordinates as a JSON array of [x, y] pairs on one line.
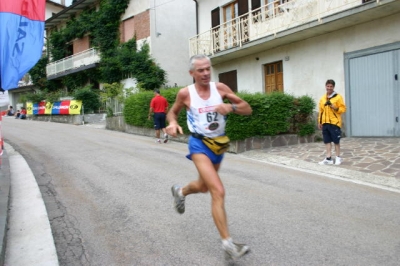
[[371, 161]]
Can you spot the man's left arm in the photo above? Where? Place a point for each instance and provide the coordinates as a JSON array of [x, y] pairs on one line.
[[237, 105], [342, 106]]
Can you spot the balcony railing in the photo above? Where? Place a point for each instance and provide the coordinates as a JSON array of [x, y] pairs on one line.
[[267, 20], [84, 58]]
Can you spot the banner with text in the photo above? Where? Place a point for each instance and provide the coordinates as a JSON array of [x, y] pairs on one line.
[[67, 107]]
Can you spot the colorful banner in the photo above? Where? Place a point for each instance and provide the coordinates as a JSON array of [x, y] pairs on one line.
[[67, 107], [21, 38], [75, 107]]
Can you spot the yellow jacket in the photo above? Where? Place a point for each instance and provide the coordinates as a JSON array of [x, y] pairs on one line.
[[327, 115]]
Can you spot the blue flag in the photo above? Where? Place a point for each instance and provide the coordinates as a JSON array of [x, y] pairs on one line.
[[21, 38]]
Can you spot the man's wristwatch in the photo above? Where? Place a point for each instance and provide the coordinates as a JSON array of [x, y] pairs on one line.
[[234, 107]]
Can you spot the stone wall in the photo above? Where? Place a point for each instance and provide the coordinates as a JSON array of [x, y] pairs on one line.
[[70, 119], [117, 123]]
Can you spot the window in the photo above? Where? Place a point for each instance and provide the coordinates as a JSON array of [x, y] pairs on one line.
[[273, 74], [264, 9], [230, 79], [230, 12], [229, 35]]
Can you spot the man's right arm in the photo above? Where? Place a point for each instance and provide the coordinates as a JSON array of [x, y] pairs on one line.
[[172, 117]]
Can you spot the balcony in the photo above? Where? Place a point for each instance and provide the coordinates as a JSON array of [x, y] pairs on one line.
[[283, 22], [74, 63]]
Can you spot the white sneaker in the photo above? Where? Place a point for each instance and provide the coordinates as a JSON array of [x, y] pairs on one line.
[[165, 138], [235, 251], [338, 160], [326, 161], [179, 201], [158, 141]]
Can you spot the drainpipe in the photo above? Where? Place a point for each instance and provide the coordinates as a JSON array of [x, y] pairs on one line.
[[197, 17]]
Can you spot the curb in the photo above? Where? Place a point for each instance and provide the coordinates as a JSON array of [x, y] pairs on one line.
[[4, 202], [29, 236]]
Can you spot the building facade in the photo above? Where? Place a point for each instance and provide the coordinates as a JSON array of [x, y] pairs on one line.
[[159, 23], [294, 46]]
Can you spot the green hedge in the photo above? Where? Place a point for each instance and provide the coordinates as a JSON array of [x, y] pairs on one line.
[[273, 114]]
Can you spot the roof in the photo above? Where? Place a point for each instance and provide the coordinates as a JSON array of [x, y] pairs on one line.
[[66, 13]]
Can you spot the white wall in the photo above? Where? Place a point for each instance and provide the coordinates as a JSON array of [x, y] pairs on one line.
[[50, 9], [172, 23], [136, 7], [205, 7], [175, 21], [313, 61]]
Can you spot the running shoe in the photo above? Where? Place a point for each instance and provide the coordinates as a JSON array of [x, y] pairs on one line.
[[338, 160], [179, 201], [235, 251], [165, 138], [326, 161]]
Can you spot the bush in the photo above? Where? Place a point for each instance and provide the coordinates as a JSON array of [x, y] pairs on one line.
[[90, 99], [136, 109], [273, 114], [36, 97]]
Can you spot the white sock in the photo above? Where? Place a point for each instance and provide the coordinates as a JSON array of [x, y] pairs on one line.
[[180, 194], [227, 242]]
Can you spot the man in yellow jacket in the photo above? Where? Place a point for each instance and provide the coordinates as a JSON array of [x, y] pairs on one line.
[[331, 108]]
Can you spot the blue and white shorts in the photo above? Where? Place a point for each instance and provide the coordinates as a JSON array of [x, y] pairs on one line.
[[197, 146]]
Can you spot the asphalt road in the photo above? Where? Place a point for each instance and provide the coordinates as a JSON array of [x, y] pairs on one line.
[[108, 199]]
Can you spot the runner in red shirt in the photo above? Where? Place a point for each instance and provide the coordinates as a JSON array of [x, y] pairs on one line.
[[159, 108]]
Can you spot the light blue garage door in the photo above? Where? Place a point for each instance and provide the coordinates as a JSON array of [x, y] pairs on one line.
[[374, 90]]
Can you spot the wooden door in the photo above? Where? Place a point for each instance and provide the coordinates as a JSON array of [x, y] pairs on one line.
[[273, 77]]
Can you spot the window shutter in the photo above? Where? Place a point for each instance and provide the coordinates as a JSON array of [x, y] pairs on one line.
[[243, 7], [255, 4], [215, 18]]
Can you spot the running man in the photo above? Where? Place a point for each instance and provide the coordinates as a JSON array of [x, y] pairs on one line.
[[159, 108], [206, 113]]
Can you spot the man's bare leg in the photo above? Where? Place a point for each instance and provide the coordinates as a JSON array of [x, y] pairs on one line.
[[337, 150], [209, 181], [328, 147], [209, 177], [157, 133]]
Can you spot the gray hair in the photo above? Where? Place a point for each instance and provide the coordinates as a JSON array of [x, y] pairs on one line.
[[194, 58]]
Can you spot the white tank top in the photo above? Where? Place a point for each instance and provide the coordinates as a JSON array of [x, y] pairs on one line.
[[201, 118]]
